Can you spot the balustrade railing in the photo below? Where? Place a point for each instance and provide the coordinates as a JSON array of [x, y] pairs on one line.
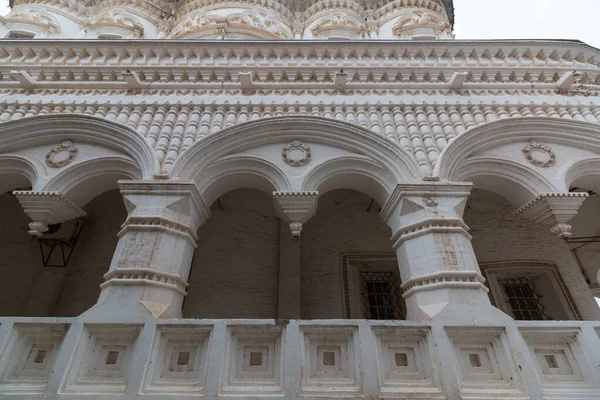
[[56, 358]]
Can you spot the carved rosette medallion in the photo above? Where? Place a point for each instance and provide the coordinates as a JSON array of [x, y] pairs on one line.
[[539, 154], [61, 155], [296, 153]]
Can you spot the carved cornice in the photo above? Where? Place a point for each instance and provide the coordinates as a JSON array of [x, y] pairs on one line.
[[276, 66]]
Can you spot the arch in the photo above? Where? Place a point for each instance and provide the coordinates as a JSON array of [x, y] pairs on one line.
[[204, 153], [237, 172], [505, 131], [16, 170], [515, 182], [354, 172], [585, 171], [40, 129], [85, 180]]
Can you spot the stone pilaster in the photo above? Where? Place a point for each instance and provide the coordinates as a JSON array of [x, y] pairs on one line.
[[554, 210], [151, 264], [437, 263], [46, 208]]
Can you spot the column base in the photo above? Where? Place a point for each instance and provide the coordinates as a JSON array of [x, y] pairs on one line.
[[136, 302], [454, 306]]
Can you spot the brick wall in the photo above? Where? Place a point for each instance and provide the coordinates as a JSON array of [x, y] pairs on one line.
[[236, 265], [342, 225], [500, 236], [93, 253], [20, 260]]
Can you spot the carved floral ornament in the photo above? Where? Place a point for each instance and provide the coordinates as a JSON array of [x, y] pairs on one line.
[[539, 154], [296, 153], [61, 155]]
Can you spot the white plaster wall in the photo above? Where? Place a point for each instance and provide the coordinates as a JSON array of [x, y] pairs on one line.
[[500, 236], [236, 265], [93, 254], [342, 225]]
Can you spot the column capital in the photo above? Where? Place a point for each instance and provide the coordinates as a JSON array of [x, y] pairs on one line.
[[46, 208], [421, 208], [296, 208], [173, 206], [554, 210]]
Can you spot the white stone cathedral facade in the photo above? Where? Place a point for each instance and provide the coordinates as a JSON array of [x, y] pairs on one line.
[[294, 199]]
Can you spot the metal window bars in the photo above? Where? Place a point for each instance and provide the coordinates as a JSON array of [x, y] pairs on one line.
[[380, 295], [523, 299]]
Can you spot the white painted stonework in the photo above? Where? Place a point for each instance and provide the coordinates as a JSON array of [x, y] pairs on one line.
[[294, 200]]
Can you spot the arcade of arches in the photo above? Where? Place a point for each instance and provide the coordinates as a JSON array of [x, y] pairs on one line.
[[247, 265]]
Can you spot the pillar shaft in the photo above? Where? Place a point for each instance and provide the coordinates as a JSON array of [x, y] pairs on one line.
[[438, 267], [151, 265]]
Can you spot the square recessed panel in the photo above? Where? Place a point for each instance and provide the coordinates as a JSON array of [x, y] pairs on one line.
[[178, 360], [482, 359], [330, 360], [404, 362], [554, 362], [253, 361], [563, 366], [102, 360], [29, 356], [554, 353]]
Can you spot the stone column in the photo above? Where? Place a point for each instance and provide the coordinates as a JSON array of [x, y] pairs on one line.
[[438, 268], [152, 261], [294, 209]]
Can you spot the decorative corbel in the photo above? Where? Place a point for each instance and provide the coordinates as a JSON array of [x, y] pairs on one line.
[[554, 210], [296, 208], [46, 208]]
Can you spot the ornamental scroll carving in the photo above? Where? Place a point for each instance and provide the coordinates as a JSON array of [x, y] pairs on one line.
[[539, 154], [61, 155], [296, 153]]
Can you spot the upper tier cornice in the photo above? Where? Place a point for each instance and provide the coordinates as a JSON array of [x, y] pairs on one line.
[[248, 65]]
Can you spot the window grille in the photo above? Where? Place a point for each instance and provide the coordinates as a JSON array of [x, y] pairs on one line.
[[380, 295], [523, 300]]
